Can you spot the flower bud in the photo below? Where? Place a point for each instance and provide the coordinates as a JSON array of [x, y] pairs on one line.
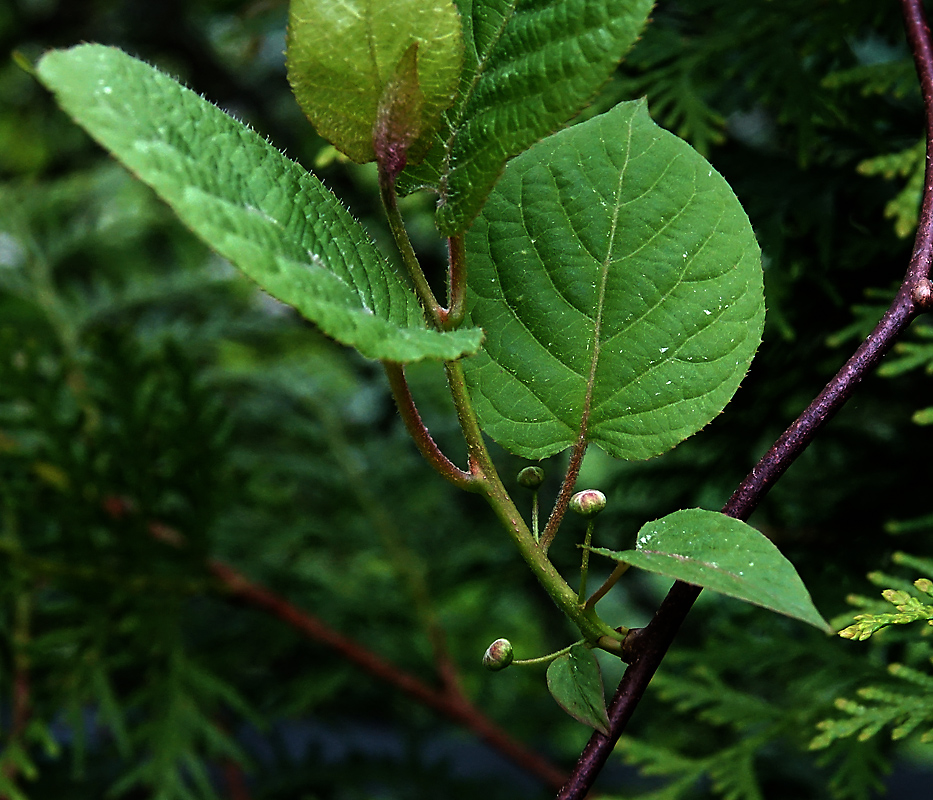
[[588, 503], [531, 477], [498, 655]]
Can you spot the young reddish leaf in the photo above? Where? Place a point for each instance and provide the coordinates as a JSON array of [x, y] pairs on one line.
[[575, 682], [399, 119], [349, 61]]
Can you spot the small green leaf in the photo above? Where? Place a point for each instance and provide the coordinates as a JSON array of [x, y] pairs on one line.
[[620, 286], [709, 549], [575, 682], [345, 57], [263, 212], [529, 68]]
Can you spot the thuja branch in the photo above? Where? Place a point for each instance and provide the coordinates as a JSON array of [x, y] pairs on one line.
[[646, 648], [448, 702], [408, 564]]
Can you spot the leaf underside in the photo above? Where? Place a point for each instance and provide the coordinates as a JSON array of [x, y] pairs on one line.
[[529, 67], [575, 682], [619, 284], [709, 549], [251, 204]]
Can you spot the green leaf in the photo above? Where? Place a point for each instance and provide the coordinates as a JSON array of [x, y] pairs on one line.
[[345, 57], [263, 212], [619, 284], [574, 681], [709, 549], [529, 68]]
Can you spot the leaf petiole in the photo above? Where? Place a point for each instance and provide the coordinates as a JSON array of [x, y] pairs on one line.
[[435, 313], [602, 591], [549, 657]]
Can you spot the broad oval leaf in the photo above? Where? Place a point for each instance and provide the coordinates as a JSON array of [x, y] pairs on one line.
[[344, 56], [575, 682], [529, 68], [263, 212], [619, 284], [709, 549]]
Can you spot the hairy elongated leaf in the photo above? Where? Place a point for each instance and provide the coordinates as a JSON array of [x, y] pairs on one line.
[[271, 218], [575, 682], [343, 56], [530, 65], [709, 549], [620, 286]]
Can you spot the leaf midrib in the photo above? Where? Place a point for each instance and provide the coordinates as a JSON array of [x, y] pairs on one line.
[[601, 300]]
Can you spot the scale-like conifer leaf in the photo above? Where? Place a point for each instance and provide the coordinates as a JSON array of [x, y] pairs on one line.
[[263, 212], [530, 65], [709, 549], [619, 283]]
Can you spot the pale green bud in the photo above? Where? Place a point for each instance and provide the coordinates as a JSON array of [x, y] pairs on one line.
[[588, 503], [531, 477], [498, 655]]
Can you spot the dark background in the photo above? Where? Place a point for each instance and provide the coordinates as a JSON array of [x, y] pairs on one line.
[[143, 382]]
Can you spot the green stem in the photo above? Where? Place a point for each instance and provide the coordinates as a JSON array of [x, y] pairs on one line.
[[534, 515], [436, 314], [611, 581], [524, 662], [482, 475], [490, 484], [585, 563], [456, 284]]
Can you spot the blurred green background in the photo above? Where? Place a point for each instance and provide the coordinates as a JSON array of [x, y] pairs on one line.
[[146, 387]]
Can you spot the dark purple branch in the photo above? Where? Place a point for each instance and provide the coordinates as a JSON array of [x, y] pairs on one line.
[[648, 646]]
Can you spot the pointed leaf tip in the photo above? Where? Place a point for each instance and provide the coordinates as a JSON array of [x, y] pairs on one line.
[[709, 549], [575, 682], [247, 201]]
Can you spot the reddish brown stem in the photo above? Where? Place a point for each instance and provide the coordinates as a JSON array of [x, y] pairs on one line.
[[449, 702], [566, 490], [21, 700], [235, 779], [419, 432], [452, 317], [647, 647]]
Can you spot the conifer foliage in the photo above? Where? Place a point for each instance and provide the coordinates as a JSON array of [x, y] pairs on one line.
[[289, 412]]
